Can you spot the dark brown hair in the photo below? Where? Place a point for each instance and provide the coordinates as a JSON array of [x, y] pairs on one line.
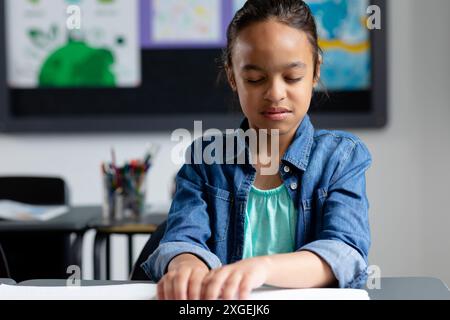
[[294, 13]]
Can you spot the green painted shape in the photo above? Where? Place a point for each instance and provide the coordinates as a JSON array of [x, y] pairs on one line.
[[78, 65]]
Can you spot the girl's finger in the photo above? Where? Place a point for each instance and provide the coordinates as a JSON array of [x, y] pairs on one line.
[[160, 289], [168, 286], [213, 286], [180, 284], [231, 286], [245, 288], [195, 285]]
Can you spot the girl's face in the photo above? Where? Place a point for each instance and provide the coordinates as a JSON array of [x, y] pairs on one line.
[[273, 73]]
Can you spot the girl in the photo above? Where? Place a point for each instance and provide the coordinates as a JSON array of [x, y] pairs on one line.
[[231, 228]]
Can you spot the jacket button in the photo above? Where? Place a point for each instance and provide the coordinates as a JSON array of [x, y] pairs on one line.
[[286, 169], [293, 185]]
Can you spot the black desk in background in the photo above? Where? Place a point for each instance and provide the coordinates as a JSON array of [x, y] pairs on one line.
[[37, 261], [392, 288], [45, 249]]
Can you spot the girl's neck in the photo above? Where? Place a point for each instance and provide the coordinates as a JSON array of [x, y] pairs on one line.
[[281, 142]]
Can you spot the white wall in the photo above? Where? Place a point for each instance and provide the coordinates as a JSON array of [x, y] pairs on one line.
[[407, 184]]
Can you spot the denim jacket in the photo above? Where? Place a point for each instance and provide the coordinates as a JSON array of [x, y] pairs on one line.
[[324, 172]]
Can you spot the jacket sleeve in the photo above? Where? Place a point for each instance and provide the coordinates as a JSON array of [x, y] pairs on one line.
[[188, 226], [344, 240]]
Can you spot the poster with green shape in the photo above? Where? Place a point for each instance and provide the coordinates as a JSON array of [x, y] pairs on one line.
[[42, 51]]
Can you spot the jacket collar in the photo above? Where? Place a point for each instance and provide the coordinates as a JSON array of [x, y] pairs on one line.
[[298, 152], [300, 149]]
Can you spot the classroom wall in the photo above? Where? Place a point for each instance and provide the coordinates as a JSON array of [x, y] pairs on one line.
[[407, 184]]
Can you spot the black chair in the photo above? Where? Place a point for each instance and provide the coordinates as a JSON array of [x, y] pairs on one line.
[[34, 255], [138, 273], [35, 190]]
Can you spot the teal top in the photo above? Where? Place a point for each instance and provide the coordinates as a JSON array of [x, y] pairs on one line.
[[270, 222]]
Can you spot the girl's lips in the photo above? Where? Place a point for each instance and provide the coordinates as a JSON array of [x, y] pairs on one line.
[[276, 114], [276, 110]]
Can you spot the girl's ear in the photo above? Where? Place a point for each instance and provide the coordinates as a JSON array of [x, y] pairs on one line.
[[230, 77], [319, 64]]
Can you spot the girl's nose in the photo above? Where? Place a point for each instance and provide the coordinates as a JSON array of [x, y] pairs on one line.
[[275, 92]]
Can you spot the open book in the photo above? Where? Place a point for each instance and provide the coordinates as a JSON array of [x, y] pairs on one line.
[[18, 211], [147, 291]]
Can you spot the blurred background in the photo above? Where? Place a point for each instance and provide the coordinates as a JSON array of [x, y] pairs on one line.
[[407, 184]]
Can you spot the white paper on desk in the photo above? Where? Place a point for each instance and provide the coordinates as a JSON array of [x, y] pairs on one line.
[[18, 211], [144, 291]]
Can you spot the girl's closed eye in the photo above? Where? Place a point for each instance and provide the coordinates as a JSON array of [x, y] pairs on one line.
[[293, 79], [287, 79], [255, 80], [253, 76]]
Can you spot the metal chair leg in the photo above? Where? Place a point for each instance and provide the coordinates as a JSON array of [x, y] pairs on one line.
[[100, 243]]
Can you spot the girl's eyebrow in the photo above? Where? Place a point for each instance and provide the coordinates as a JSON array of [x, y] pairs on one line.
[[292, 65], [296, 64], [250, 67]]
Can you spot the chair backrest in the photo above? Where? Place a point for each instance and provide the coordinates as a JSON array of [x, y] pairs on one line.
[[138, 273], [34, 190]]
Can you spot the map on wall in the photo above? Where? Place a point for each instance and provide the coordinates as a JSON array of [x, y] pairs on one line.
[[344, 38], [43, 52]]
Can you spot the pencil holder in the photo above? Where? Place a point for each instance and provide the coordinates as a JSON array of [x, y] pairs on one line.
[[133, 195], [124, 188], [124, 193]]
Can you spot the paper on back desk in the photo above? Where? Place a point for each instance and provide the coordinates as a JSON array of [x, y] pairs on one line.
[[145, 291]]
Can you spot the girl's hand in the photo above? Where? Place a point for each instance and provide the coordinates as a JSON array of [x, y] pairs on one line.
[[237, 280], [183, 279]]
